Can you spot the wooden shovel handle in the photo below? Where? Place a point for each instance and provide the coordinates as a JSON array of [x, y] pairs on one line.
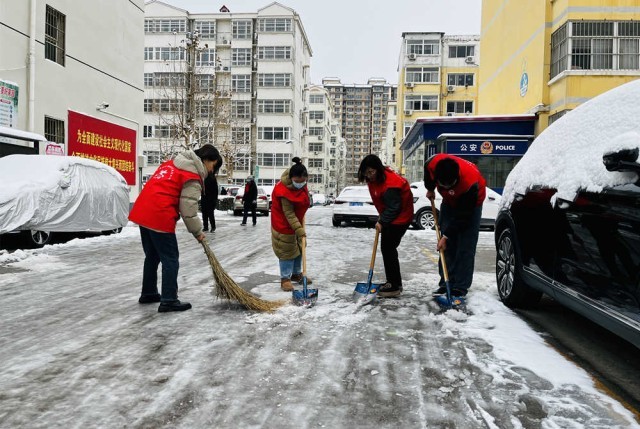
[[303, 243], [375, 248], [442, 258]]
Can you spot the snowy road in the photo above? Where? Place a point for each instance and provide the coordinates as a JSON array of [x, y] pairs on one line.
[[78, 351]]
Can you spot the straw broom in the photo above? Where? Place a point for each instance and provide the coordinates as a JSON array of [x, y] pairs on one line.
[[228, 289]]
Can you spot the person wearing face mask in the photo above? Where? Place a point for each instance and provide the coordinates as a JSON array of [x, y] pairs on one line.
[[391, 195], [463, 190], [172, 192], [249, 200], [289, 203]]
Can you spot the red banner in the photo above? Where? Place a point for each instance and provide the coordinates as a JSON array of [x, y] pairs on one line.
[[103, 141]]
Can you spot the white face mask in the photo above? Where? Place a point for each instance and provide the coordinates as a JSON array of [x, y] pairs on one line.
[[299, 185]]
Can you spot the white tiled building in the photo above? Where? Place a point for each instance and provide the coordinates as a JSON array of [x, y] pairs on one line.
[[252, 72]]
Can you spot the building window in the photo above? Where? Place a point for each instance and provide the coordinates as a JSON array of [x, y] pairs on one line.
[[316, 99], [241, 82], [165, 25], [274, 106], [595, 45], [204, 82], [462, 51], [316, 114], [147, 131], [274, 53], [460, 107], [170, 80], [274, 133], [241, 109], [315, 178], [316, 131], [423, 47], [163, 54], [54, 130], [315, 163], [54, 36], [273, 25], [242, 161], [165, 131], [421, 75], [316, 147], [421, 102], [241, 29], [206, 57], [241, 57], [207, 29], [460, 79], [274, 159], [240, 135], [154, 157], [274, 79]]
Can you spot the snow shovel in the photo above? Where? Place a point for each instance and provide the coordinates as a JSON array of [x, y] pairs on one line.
[[302, 294], [446, 302], [366, 293]]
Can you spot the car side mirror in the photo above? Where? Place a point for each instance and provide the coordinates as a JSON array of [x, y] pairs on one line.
[[623, 160]]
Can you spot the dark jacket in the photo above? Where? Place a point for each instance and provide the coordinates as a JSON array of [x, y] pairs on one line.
[[210, 192], [250, 193]]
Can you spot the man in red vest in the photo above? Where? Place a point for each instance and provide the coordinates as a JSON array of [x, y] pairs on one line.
[[463, 190], [391, 195]]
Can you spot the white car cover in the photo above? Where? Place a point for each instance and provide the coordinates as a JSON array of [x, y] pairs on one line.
[[61, 194]]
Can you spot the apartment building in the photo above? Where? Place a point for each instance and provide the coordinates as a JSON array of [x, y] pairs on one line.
[[238, 80], [362, 110], [438, 76], [72, 72], [559, 54]]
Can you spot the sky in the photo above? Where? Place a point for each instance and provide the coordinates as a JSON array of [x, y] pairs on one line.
[[357, 40]]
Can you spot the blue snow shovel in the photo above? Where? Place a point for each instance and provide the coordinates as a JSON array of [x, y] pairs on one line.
[[446, 302], [304, 296], [366, 293]]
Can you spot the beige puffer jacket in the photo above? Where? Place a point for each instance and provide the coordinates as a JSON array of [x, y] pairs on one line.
[[191, 190], [287, 246]]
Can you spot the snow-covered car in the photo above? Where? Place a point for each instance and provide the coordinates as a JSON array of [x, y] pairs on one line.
[[319, 200], [42, 196], [262, 202], [569, 220], [354, 205], [268, 189]]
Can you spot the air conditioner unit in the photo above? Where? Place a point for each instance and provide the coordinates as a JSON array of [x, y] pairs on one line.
[[304, 131], [449, 113], [451, 88], [469, 60], [225, 42], [411, 56], [409, 84], [254, 120], [255, 94], [219, 68], [318, 121], [315, 153], [408, 112], [225, 68]]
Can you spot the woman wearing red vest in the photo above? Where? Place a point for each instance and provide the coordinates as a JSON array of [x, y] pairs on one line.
[[173, 191], [463, 190], [392, 198], [289, 203]]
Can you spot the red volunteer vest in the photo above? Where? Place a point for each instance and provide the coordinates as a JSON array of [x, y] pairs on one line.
[[393, 180], [469, 174], [300, 201], [157, 205]]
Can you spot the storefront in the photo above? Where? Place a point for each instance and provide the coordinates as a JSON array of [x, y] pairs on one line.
[[494, 143]]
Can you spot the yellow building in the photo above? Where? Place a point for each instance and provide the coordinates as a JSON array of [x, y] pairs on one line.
[[438, 76], [547, 57]]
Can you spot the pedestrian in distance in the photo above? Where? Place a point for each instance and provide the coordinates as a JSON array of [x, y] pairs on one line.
[[289, 204], [463, 190], [223, 191], [208, 202], [249, 200], [392, 197], [172, 192]]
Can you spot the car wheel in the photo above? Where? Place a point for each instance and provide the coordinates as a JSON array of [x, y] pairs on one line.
[[335, 222], [425, 219], [512, 289], [38, 239]]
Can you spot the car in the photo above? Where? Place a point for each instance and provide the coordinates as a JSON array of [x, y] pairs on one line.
[[319, 200], [268, 189], [569, 219], [262, 202], [44, 196], [354, 206]]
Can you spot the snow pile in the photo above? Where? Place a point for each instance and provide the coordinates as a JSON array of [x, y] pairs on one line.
[[567, 156]]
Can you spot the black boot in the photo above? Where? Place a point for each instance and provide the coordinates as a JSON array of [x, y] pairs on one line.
[[149, 299], [173, 306]]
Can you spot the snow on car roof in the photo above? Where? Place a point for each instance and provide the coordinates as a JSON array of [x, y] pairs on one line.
[[567, 156]]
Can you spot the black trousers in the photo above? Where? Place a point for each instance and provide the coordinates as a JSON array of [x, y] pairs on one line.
[[249, 207], [390, 240], [208, 215]]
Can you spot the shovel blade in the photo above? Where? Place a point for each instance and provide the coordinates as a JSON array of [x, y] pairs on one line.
[[365, 293], [304, 296], [456, 302]]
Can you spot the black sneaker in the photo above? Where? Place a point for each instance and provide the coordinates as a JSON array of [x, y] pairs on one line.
[[388, 290], [149, 299], [440, 291], [173, 306], [458, 292], [205, 229]]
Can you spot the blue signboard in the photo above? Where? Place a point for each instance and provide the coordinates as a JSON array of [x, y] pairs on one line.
[[487, 147]]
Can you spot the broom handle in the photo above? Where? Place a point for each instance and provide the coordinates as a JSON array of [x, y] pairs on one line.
[[375, 248], [442, 258]]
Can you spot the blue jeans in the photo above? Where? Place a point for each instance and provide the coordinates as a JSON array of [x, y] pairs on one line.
[[160, 247], [290, 266], [461, 249]]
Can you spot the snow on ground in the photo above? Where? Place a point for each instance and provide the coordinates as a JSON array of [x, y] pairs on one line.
[[79, 351]]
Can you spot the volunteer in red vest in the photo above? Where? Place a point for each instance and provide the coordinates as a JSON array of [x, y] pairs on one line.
[[392, 198], [463, 190], [172, 192], [289, 203]]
